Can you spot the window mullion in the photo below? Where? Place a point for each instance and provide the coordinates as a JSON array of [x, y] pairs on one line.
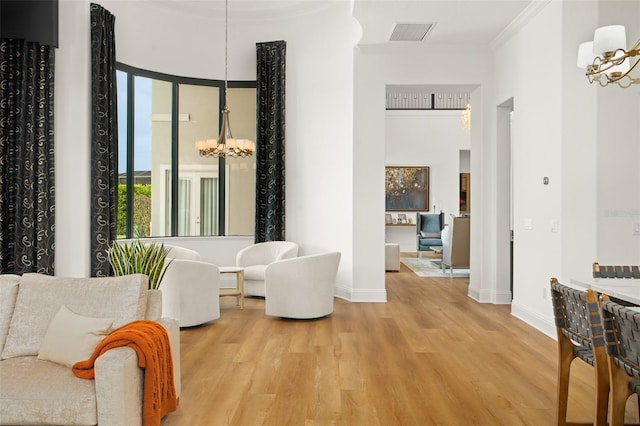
[[174, 157], [130, 153], [222, 214]]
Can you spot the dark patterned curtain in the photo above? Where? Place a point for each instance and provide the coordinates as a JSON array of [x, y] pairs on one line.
[[27, 177], [270, 152], [104, 138]]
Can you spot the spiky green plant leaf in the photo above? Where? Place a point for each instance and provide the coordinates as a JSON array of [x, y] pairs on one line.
[[139, 258]]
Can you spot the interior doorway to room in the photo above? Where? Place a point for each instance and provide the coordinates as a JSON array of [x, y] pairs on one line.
[[506, 238], [428, 126], [511, 201]]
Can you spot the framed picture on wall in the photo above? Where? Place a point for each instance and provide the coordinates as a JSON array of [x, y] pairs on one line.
[[407, 188]]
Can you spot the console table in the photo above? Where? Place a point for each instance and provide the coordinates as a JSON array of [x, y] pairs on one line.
[[403, 234]]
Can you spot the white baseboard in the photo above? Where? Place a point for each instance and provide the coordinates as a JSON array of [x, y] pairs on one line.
[[534, 320], [503, 298], [487, 296], [484, 296], [521, 312], [361, 295]]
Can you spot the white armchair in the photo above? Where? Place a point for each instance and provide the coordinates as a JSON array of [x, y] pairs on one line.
[[302, 287], [255, 258], [190, 288]]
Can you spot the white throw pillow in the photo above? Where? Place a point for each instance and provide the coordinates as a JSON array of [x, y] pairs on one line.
[[71, 337]]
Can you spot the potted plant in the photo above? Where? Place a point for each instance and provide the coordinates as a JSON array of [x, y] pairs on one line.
[[139, 258]]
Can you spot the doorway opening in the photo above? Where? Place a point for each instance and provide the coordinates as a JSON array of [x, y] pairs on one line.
[[465, 182], [505, 241]]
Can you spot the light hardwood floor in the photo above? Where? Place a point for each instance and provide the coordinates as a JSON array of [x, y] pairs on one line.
[[430, 356]]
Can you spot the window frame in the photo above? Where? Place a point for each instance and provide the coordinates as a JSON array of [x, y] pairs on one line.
[[131, 73]]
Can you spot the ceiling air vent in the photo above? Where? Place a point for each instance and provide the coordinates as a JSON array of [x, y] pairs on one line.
[[411, 32]]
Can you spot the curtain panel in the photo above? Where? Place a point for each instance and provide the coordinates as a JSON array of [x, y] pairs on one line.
[[27, 176], [270, 146], [104, 138]]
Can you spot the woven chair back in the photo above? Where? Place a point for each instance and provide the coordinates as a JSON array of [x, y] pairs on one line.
[[578, 318], [615, 271], [622, 335]]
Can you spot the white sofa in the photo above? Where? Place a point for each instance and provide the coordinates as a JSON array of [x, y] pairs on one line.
[[39, 391], [255, 258], [190, 288], [302, 287]]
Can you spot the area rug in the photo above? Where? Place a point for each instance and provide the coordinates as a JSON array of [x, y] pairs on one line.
[[424, 267]]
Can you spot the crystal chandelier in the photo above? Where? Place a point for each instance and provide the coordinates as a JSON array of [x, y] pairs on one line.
[[606, 58], [466, 118], [226, 144]]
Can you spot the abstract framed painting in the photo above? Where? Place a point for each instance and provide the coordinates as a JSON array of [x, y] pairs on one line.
[[407, 188]]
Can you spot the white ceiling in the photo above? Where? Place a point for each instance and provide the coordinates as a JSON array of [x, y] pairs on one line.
[[458, 23]]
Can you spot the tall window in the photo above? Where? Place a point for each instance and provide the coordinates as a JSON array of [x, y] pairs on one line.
[[165, 187]]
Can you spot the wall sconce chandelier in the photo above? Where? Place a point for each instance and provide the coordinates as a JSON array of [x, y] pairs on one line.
[[226, 144], [466, 118], [606, 58]]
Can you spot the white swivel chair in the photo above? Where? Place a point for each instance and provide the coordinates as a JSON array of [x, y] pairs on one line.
[[255, 258], [190, 288], [302, 287]]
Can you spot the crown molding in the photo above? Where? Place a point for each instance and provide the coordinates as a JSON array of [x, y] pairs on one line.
[[520, 21], [243, 10], [405, 48]]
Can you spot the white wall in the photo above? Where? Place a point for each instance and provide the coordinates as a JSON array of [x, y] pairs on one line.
[[536, 153], [618, 151], [433, 139], [72, 133], [584, 138], [219, 250], [579, 141], [171, 38]]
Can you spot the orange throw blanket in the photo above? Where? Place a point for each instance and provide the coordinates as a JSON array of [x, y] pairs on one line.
[[150, 340]]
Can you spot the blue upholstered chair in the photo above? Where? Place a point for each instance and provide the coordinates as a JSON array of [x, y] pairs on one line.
[[429, 226]]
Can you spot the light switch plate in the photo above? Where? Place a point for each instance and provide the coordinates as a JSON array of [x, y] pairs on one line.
[[636, 228], [528, 224]]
